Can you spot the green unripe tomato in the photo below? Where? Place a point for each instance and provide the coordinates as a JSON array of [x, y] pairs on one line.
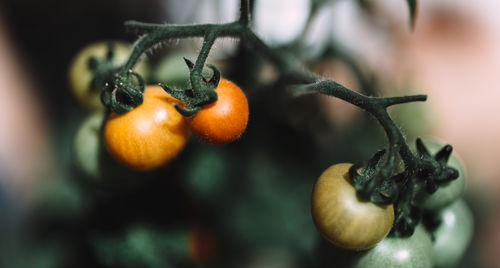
[[405, 252], [87, 146], [414, 251], [80, 73], [448, 192], [453, 235]]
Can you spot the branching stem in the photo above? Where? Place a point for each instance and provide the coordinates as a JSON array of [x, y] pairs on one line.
[[245, 18], [377, 107], [156, 33], [292, 74], [196, 77]]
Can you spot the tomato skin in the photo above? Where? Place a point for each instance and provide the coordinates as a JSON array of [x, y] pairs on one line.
[[80, 75], [224, 120], [453, 235], [149, 135], [342, 218], [448, 192]]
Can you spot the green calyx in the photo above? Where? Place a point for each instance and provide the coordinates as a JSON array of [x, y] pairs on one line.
[[124, 93], [120, 91], [427, 172], [441, 173], [202, 91], [102, 70], [371, 184]]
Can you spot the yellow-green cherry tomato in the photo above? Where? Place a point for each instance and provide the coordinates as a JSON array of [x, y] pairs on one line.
[[342, 217], [87, 145], [453, 234], [448, 192], [80, 72]]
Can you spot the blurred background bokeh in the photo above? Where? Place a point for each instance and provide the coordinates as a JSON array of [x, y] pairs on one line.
[[247, 202]]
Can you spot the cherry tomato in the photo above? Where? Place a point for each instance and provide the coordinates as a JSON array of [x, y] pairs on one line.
[[448, 192], [224, 120], [344, 219], [80, 73], [414, 251], [87, 145], [453, 234], [149, 135]]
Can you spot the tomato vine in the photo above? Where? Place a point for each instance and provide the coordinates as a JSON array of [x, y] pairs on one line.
[[380, 181]]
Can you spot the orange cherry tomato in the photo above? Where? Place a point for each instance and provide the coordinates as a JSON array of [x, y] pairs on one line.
[[224, 120], [149, 135]]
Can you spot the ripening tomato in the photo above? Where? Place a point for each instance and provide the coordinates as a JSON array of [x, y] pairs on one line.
[[149, 135], [224, 120], [342, 217], [80, 72], [448, 192]]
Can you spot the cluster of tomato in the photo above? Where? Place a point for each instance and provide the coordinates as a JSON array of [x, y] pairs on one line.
[[143, 139], [153, 133], [359, 229]]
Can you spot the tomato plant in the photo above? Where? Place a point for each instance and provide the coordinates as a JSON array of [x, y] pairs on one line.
[[342, 217], [107, 54], [448, 192], [148, 136], [224, 120], [367, 208]]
